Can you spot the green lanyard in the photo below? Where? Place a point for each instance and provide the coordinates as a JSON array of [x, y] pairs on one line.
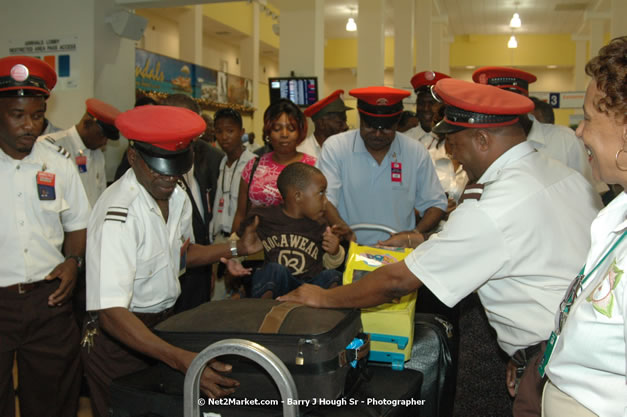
[[577, 284], [566, 304]]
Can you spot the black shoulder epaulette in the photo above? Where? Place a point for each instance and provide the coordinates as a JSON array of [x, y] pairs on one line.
[[472, 192], [50, 139], [117, 214]]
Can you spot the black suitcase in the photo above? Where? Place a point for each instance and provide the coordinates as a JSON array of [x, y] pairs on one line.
[[311, 342], [380, 392], [431, 355]]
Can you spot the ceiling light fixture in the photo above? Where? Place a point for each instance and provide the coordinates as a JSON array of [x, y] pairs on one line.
[[351, 26], [512, 42], [515, 21]]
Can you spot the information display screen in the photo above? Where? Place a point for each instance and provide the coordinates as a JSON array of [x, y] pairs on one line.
[[303, 91]]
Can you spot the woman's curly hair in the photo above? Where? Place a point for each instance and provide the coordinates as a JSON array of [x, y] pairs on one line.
[[609, 71]]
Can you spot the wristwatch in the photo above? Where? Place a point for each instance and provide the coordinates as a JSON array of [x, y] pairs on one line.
[[233, 244], [80, 262]]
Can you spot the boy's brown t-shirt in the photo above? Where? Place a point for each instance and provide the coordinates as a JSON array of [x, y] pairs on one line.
[[294, 243]]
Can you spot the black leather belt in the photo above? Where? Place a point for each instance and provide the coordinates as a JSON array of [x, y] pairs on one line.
[[23, 287]]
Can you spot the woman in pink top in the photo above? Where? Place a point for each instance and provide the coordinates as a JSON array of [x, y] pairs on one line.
[[284, 128]]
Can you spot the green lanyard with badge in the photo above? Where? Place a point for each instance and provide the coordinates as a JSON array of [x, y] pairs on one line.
[[571, 295]]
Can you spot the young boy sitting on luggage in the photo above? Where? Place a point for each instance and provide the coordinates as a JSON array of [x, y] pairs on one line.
[[299, 246]]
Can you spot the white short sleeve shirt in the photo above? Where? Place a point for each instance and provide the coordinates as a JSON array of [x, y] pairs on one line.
[[519, 245], [92, 172], [588, 362], [133, 255], [33, 229]]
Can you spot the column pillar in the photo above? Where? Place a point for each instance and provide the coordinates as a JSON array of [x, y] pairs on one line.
[[403, 42], [596, 34], [581, 43], [437, 42], [370, 43], [190, 34], [618, 19], [422, 33], [249, 58], [302, 39]]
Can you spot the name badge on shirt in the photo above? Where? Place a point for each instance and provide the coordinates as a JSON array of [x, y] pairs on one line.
[[183, 262], [81, 162], [45, 185], [221, 205], [397, 172]]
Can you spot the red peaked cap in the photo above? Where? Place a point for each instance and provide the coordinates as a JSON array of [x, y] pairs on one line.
[[333, 103], [105, 114], [25, 75], [506, 78], [470, 105], [427, 78], [379, 107], [162, 135], [165, 127]]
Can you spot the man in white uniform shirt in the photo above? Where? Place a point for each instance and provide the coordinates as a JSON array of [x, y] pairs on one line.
[[140, 241], [329, 118], [85, 142], [44, 215], [501, 239], [555, 141], [425, 103]]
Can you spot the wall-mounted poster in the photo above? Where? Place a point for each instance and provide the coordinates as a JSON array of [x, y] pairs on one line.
[[237, 90], [206, 84], [59, 52], [154, 72]]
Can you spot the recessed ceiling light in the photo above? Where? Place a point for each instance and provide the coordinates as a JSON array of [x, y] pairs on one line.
[[551, 66], [470, 67]]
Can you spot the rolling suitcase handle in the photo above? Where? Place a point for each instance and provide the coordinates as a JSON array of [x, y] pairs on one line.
[[372, 226], [251, 350]]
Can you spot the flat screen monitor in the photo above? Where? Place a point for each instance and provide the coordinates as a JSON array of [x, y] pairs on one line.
[[303, 91]]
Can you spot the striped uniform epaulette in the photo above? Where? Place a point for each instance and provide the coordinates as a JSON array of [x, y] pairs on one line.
[[117, 214], [51, 140], [63, 151], [472, 192]]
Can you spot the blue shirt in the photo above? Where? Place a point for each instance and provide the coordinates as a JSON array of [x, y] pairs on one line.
[[363, 191]]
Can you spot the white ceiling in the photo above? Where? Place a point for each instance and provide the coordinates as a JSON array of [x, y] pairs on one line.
[[480, 16]]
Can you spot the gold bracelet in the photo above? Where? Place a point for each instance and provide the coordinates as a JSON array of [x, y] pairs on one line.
[[409, 239]]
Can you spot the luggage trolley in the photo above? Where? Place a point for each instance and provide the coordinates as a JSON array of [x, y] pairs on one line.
[[251, 350], [390, 325]]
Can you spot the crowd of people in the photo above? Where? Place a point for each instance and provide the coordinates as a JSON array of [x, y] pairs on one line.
[[492, 197]]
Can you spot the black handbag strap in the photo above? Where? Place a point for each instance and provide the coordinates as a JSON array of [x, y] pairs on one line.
[[250, 182]]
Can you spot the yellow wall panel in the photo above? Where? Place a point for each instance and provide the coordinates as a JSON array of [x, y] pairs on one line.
[[238, 15], [340, 53]]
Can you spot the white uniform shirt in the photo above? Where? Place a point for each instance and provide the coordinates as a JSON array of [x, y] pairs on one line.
[[225, 203], [561, 143], [520, 245], [133, 255], [426, 138], [452, 180], [588, 362], [93, 174], [32, 229], [365, 192], [310, 146]]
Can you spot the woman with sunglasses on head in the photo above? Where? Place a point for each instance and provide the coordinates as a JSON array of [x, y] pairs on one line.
[[585, 357]]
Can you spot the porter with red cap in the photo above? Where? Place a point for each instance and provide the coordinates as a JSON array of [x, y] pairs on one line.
[[422, 82], [377, 175], [555, 141], [500, 241], [140, 242], [329, 118], [85, 143], [43, 217]]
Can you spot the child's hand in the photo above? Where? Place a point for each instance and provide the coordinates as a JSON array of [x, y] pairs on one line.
[[330, 242], [235, 268]]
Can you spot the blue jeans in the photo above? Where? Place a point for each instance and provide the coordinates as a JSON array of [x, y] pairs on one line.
[[278, 279]]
